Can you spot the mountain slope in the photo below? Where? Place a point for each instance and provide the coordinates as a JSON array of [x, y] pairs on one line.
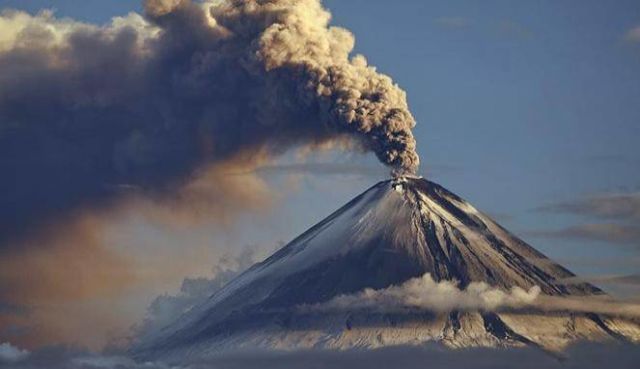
[[395, 231]]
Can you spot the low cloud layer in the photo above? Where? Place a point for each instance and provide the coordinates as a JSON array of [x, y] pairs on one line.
[[425, 293], [582, 356]]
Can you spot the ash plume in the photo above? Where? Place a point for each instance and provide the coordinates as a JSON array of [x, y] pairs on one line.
[[148, 102]]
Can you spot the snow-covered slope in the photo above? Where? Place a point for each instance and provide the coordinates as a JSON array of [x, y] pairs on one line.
[[395, 231]]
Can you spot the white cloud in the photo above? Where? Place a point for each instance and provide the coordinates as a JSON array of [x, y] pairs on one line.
[[11, 354], [425, 293]]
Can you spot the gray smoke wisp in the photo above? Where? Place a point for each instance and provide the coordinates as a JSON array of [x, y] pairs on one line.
[[147, 102]]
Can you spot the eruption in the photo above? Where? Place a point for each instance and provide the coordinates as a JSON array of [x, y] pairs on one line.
[[148, 102]]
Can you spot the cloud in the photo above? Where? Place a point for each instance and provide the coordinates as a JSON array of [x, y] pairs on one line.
[[55, 283], [623, 206], [514, 29], [13, 309], [612, 233], [148, 102], [146, 117], [452, 22], [629, 279], [166, 308], [323, 169], [582, 356], [10, 353], [633, 35], [105, 276], [103, 269], [339, 169], [627, 287], [425, 293], [592, 304]]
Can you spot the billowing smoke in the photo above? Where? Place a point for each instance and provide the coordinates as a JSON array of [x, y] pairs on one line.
[[89, 112]]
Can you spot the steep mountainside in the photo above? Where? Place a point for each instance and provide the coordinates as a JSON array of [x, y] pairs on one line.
[[395, 231]]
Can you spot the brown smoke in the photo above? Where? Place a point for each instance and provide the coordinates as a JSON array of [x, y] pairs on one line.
[[133, 115], [74, 274], [147, 102]]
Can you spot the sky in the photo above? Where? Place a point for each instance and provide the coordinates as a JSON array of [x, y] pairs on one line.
[[528, 111]]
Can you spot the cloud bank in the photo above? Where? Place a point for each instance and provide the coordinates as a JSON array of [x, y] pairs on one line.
[[424, 293], [582, 356]]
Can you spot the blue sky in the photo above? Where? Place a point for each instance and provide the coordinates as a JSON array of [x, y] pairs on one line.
[[518, 106]]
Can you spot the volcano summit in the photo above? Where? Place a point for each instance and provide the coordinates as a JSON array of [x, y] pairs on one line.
[[341, 285]]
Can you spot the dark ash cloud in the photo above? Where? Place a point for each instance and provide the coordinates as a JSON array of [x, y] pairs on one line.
[[147, 103], [149, 114]]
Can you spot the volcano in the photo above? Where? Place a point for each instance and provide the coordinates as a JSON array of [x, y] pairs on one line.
[[394, 232]]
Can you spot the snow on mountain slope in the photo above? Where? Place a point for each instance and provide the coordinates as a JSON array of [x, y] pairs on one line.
[[394, 232]]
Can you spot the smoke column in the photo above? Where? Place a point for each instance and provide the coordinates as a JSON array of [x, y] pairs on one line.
[[88, 112]]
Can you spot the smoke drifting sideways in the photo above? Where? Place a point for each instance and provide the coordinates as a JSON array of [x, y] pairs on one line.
[[88, 112]]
